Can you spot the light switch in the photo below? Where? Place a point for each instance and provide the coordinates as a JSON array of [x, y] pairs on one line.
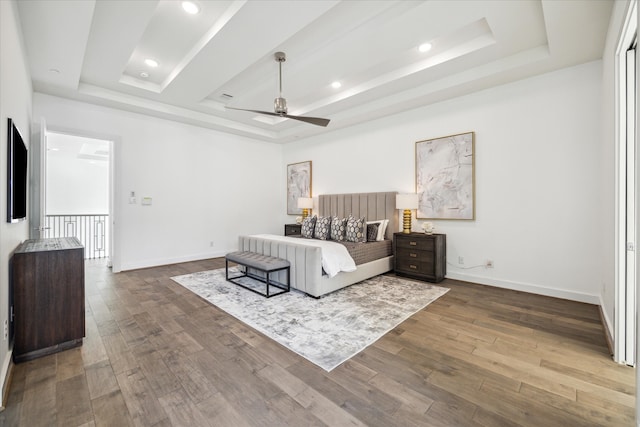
[[146, 201]]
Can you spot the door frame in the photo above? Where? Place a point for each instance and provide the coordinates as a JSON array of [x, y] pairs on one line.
[[37, 166], [114, 195], [622, 340]]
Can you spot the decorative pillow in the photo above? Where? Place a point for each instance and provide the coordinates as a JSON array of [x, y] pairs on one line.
[[382, 228], [308, 226], [379, 224], [323, 226], [338, 229], [356, 230], [372, 232], [382, 233]]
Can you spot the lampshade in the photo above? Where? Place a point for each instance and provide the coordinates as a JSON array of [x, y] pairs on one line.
[[305, 203], [406, 201]]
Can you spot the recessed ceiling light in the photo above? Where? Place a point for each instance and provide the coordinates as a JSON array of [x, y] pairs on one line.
[[144, 74], [190, 7], [424, 47], [151, 62], [336, 85]]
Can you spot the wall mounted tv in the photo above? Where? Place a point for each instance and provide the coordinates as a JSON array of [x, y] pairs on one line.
[[16, 175]]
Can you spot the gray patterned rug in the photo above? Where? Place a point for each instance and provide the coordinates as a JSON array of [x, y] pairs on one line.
[[326, 331]]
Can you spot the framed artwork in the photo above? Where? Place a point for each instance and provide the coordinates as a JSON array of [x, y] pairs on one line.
[[298, 185], [445, 177]]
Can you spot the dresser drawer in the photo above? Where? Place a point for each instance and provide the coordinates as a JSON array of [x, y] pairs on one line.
[[424, 244], [413, 254], [292, 230], [420, 265]]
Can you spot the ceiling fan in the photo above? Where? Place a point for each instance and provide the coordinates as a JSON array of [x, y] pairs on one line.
[[280, 104]]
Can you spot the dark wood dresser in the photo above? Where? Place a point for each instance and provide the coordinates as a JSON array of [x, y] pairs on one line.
[[420, 256], [48, 297]]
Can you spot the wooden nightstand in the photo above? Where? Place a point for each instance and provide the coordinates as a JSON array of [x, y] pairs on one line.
[[420, 256], [293, 230]]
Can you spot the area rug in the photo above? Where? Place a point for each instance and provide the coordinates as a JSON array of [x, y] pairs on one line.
[[326, 331]]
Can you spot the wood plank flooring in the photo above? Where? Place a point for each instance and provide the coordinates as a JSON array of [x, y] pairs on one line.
[[157, 355]]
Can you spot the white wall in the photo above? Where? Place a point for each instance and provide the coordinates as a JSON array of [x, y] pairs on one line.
[[538, 178], [206, 186], [15, 102]]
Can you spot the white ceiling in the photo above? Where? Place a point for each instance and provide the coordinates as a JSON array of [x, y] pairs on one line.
[[94, 51]]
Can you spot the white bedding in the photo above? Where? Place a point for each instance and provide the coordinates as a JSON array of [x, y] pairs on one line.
[[335, 257]]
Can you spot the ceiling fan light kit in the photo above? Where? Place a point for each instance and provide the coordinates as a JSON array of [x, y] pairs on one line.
[[280, 104]]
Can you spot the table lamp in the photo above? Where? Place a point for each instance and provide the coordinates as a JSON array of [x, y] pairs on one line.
[[306, 204], [406, 202]]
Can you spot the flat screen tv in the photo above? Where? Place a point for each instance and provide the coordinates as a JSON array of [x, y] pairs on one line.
[[16, 175]]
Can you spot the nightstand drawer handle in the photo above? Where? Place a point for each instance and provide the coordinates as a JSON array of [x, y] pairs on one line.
[[413, 255], [413, 266], [413, 243]]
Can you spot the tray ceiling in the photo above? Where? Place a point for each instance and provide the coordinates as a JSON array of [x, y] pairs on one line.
[[95, 51]]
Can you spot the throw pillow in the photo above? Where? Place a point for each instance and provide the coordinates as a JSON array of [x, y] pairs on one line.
[[382, 228], [338, 229], [308, 226], [372, 232], [323, 226], [356, 231]]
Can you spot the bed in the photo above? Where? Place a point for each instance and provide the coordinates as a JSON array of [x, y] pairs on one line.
[[307, 274]]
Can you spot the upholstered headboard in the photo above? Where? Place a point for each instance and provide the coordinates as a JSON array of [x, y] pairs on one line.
[[372, 206]]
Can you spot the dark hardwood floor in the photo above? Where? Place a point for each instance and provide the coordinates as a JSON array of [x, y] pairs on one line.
[[157, 355]]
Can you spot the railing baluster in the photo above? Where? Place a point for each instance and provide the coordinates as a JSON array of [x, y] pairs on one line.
[[91, 230]]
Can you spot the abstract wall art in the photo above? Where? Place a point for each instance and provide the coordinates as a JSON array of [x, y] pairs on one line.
[[298, 185], [445, 180]]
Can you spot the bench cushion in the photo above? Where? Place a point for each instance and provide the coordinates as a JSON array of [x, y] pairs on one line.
[[257, 261]]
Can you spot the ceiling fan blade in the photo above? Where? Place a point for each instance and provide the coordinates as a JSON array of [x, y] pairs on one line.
[[270, 113], [312, 120]]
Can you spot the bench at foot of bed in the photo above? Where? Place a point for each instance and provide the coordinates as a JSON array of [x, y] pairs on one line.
[[262, 263]]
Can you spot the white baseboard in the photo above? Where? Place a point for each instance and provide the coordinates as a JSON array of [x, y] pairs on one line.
[[526, 287], [608, 324], [605, 316], [4, 378], [176, 260]]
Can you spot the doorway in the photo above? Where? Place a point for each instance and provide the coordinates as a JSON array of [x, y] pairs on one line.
[[72, 180], [77, 181]]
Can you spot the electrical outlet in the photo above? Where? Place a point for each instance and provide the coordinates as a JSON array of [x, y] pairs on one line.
[[488, 264], [6, 329], [461, 260]]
